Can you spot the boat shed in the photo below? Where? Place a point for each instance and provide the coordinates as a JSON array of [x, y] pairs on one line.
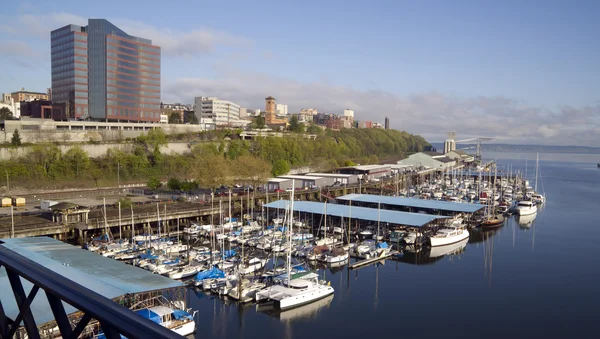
[[366, 172], [278, 184], [307, 181], [410, 204], [108, 277], [359, 213]]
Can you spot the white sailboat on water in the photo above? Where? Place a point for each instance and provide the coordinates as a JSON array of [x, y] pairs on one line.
[[294, 292]]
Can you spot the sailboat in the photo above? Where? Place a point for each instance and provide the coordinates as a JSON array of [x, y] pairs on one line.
[[293, 292], [536, 197], [492, 220], [528, 207]]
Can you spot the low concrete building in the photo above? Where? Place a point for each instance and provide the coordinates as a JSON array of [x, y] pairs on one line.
[[278, 184], [47, 130], [460, 156], [344, 179], [432, 160]]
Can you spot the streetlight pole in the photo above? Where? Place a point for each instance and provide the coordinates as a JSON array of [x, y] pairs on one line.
[[12, 223], [118, 174], [7, 182]]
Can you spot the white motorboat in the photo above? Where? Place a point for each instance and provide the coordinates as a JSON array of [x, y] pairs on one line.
[[325, 241], [183, 272], [196, 229], [336, 255], [179, 321], [448, 235], [538, 198], [245, 290], [526, 207], [252, 265]]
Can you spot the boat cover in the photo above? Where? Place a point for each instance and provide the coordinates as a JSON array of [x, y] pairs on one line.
[[180, 315], [209, 274], [229, 253], [383, 245], [148, 255], [148, 314]]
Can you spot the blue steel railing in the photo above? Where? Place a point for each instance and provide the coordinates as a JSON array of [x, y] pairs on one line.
[[114, 319]]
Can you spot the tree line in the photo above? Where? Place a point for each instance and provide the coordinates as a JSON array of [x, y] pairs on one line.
[[208, 164]]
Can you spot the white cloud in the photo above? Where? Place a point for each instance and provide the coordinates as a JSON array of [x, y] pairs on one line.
[[429, 114], [17, 49], [174, 43]]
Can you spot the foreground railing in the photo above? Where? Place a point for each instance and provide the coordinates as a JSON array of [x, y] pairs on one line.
[[114, 319]]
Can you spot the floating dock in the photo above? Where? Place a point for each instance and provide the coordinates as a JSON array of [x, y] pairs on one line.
[[365, 262]]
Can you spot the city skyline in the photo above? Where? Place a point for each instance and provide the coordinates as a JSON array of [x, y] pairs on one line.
[[522, 72]]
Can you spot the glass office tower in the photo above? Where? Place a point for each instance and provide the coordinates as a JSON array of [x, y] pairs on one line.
[[122, 71]]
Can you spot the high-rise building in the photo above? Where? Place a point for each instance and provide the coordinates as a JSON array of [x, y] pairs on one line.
[[102, 73], [387, 123], [212, 110], [281, 109]]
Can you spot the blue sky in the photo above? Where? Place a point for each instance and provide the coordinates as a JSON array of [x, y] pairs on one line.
[[477, 67]]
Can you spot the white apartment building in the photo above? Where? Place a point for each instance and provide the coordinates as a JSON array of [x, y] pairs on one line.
[[218, 112], [281, 109], [349, 113]]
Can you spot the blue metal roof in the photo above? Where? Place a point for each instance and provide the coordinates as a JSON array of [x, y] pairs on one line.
[[106, 276], [362, 213], [414, 203]]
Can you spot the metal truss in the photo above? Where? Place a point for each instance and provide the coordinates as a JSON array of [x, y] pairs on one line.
[[116, 321]]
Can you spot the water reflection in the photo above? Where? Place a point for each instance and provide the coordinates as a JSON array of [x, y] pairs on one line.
[[303, 312], [479, 235], [526, 221], [451, 249]]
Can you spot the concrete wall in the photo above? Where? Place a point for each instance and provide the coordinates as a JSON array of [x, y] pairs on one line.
[[92, 150], [44, 130]]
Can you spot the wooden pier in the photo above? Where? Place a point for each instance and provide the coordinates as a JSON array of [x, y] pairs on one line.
[[364, 262]]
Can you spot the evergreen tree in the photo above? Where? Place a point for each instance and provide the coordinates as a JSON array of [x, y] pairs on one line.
[[16, 138]]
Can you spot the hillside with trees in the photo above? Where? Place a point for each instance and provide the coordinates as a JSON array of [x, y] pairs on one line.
[[209, 163]]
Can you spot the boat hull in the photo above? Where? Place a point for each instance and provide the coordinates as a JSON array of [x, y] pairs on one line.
[[449, 240], [303, 299], [185, 329], [526, 211]]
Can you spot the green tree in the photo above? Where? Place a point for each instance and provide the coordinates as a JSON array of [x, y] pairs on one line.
[[190, 117], [174, 184], [212, 171], [280, 167], [5, 114], [154, 183], [349, 163], [188, 185], [251, 170], [313, 129], [258, 122], [16, 138], [295, 125], [125, 203], [175, 118], [76, 161]]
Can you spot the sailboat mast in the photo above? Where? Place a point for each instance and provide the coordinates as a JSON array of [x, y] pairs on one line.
[[132, 226], [158, 219], [289, 231], [537, 162], [378, 218]]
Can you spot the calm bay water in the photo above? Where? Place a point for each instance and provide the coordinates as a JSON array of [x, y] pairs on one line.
[[525, 280]]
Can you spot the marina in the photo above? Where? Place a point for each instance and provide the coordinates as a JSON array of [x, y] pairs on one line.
[[294, 254]]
